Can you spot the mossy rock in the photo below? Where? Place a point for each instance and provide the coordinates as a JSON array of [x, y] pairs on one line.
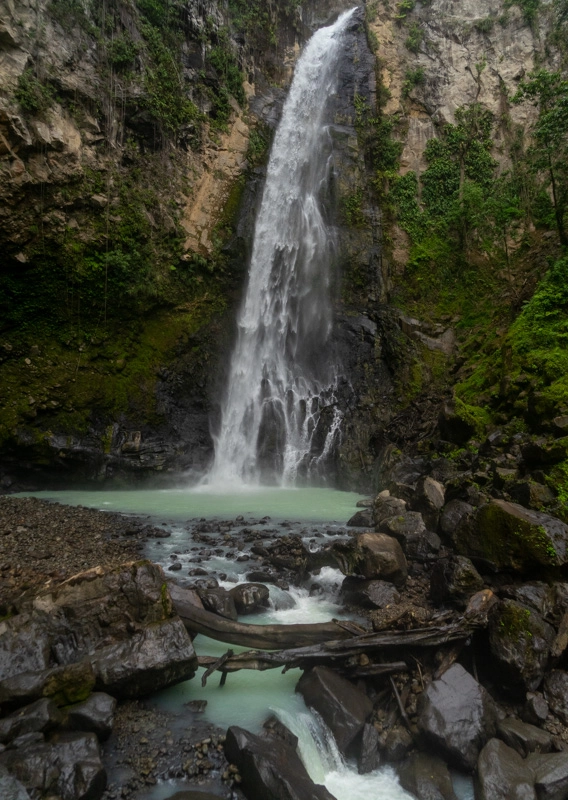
[[519, 641], [508, 536]]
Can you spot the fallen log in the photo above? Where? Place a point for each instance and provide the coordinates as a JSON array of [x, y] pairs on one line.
[[264, 637], [340, 652]]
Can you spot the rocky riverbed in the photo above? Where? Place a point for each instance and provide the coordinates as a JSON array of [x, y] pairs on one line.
[[461, 661]]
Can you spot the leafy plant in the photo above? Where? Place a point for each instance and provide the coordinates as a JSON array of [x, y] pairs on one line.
[[33, 95], [414, 38]]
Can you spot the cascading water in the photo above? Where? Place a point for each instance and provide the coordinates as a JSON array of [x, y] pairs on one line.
[[281, 375]]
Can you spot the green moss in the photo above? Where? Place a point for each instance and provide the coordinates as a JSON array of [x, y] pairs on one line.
[[478, 418], [508, 541], [514, 622]]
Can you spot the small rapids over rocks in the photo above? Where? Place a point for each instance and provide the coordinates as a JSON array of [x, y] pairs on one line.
[[279, 419]]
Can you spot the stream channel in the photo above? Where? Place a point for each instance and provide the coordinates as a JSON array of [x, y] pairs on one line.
[[197, 521]]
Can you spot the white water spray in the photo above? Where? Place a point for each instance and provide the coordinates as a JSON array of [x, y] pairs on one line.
[[281, 376]]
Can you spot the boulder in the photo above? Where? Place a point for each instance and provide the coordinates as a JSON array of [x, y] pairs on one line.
[[270, 768], [452, 514], [403, 615], [429, 500], [426, 777], [556, 693], [10, 787], [454, 580], [69, 767], [250, 597], [369, 594], [386, 506], [343, 707], [39, 716], [114, 629], [530, 494], [457, 716], [455, 427], [361, 519], [519, 643], [507, 536], [537, 596], [409, 529], [535, 709], [218, 601], [503, 775], [524, 738], [94, 715], [550, 774], [369, 756], [397, 744]]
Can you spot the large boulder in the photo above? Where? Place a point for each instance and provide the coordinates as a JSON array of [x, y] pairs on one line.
[[507, 536], [270, 768], [112, 629], [68, 767], [10, 787], [250, 597], [503, 775], [429, 500], [409, 529], [369, 594], [550, 773], [39, 716], [457, 717], [343, 707], [218, 601], [361, 519], [386, 506], [452, 514], [426, 777], [94, 715], [524, 738], [454, 580], [519, 642], [556, 693], [372, 556]]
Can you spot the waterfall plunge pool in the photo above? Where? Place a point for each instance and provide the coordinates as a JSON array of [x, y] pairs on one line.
[[248, 698]]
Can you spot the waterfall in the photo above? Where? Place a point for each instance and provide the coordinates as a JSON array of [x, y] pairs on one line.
[[279, 418]]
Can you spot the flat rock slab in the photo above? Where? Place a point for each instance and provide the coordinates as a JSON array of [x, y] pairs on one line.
[[343, 707]]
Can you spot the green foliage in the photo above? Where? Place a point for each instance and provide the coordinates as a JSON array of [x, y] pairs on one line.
[[484, 25], [404, 8], [165, 96], [68, 12], [353, 209], [121, 51], [412, 78], [259, 145], [33, 95], [414, 38], [528, 7], [549, 154]]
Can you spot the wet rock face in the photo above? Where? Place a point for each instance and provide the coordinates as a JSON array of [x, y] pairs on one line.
[[427, 777], [520, 643], [343, 707], [556, 693], [503, 775], [455, 580], [111, 629], [270, 768], [507, 536], [457, 717]]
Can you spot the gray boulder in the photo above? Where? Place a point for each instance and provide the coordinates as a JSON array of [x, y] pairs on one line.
[[556, 693], [372, 556], [218, 601], [452, 514], [369, 594], [68, 767], [270, 768], [39, 716], [454, 580], [94, 715], [457, 717], [409, 529], [386, 506], [361, 519], [426, 777], [250, 597], [10, 788], [429, 499], [369, 755], [503, 775], [550, 773], [507, 536], [524, 738], [343, 707], [114, 629], [519, 642]]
